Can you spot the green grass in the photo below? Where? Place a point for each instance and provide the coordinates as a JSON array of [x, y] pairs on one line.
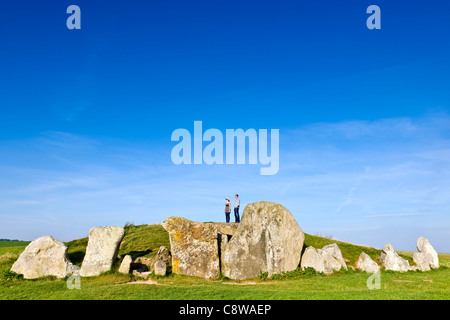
[[350, 252], [142, 240], [298, 284], [8, 244]]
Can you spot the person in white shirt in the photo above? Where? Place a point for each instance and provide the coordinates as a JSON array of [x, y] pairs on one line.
[[237, 204]]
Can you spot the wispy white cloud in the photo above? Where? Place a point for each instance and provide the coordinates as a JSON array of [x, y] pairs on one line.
[[361, 170], [348, 201], [387, 215]]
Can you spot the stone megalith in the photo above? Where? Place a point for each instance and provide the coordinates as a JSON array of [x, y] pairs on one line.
[[312, 259], [160, 268], [326, 260], [43, 257], [365, 263], [427, 257], [268, 239], [102, 249], [392, 261], [194, 246], [164, 255], [125, 266], [336, 253]]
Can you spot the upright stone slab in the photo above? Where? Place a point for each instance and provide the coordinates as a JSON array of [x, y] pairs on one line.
[[392, 261], [194, 246], [312, 259], [427, 257], [43, 257], [102, 249], [160, 268], [326, 260], [164, 255], [268, 239], [336, 253], [125, 266], [365, 263]]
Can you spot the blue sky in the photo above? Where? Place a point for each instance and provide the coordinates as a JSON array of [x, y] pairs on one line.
[[364, 115]]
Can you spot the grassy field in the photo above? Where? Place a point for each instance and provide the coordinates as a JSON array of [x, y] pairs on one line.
[[7, 244], [145, 240]]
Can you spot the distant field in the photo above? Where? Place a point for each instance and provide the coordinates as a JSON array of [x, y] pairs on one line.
[[444, 258], [7, 244], [146, 239]]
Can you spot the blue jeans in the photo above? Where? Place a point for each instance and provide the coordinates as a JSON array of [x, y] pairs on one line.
[[236, 215], [227, 216]]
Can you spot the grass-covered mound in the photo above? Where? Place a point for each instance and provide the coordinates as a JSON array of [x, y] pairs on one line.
[[145, 240], [142, 240]]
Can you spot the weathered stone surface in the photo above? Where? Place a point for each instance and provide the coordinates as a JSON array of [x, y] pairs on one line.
[[423, 245], [226, 228], [141, 274], [194, 246], [268, 239], [323, 260], [143, 263], [160, 268], [365, 263], [330, 263], [224, 239], [336, 253], [101, 250], [392, 261], [427, 257], [125, 266], [164, 255], [312, 259], [422, 261], [43, 257]]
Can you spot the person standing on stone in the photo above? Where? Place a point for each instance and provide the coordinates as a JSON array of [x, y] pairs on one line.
[[237, 204], [227, 209]]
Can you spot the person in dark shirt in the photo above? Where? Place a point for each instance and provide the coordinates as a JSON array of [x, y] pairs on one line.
[[227, 209]]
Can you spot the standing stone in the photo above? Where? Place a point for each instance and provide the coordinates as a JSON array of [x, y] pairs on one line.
[[102, 249], [422, 261], [43, 257], [160, 268], [322, 260], [330, 263], [125, 266], [365, 263], [312, 259], [223, 243], [427, 257], [194, 247], [392, 261], [163, 255], [268, 239], [336, 253]]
